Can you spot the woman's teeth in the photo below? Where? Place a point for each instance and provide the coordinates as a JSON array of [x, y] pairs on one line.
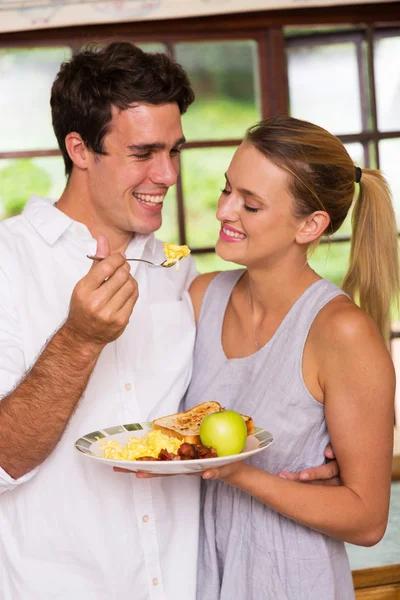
[[147, 199], [234, 234]]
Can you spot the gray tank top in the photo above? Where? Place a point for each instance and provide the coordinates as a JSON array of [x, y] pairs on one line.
[[248, 551]]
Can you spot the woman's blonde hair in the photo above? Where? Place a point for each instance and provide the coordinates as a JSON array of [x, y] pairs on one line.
[[322, 177]]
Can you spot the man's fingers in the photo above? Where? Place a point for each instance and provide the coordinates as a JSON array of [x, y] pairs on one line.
[[328, 452], [125, 297], [101, 275], [142, 475], [102, 251], [103, 247], [290, 476], [211, 474], [326, 471], [120, 470], [139, 474]]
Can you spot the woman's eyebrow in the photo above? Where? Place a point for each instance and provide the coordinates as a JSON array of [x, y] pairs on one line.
[[244, 190]]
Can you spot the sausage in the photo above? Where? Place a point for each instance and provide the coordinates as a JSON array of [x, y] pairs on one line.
[[188, 451]]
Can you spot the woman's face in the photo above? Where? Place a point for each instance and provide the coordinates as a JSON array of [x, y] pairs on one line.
[[255, 210]]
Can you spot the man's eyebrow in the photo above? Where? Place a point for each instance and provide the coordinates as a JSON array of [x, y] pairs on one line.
[[244, 190], [153, 146]]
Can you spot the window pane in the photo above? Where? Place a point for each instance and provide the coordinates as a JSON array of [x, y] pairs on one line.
[[389, 152], [387, 80], [387, 551], [224, 77], [20, 178], [26, 77], [203, 178], [356, 152], [331, 259], [169, 231], [324, 86], [152, 47], [25, 176]]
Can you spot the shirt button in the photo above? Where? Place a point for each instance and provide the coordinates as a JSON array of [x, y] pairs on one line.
[[145, 518], [155, 581], [128, 387]]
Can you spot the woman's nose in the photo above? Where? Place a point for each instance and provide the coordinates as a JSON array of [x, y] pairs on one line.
[[227, 208]]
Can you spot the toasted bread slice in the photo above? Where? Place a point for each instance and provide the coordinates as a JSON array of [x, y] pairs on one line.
[[186, 425]]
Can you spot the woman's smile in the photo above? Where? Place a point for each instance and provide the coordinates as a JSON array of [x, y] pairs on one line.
[[230, 234]]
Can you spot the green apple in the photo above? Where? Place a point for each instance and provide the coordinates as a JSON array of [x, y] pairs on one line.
[[225, 431]]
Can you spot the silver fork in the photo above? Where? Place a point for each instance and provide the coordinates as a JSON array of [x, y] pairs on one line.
[[164, 264]]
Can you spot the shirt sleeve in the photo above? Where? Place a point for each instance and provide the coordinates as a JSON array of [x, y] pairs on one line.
[[8, 483], [12, 362]]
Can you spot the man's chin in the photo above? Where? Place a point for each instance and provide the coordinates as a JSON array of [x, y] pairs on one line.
[[147, 228]]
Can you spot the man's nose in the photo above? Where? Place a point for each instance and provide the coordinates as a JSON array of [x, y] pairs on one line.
[[165, 171]]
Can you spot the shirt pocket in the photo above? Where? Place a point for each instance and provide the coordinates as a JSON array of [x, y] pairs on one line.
[[172, 335]]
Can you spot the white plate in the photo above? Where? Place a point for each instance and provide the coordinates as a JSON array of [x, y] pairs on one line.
[[90, 446]]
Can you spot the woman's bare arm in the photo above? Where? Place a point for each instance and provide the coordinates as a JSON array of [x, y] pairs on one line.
[[357, 378]]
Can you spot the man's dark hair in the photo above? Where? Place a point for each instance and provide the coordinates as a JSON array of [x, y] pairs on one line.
[[119, 74]]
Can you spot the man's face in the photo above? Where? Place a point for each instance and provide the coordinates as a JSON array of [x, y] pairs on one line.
[[127, 187]]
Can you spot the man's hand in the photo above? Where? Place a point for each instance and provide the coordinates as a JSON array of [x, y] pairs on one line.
[[102, 302], [327, 473]]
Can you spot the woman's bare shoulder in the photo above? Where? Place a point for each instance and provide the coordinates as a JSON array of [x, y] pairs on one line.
[[349, 352], [344, 320], [198, 289], [344, 330]]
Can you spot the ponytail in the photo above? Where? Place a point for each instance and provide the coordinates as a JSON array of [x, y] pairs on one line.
[[373, 278]]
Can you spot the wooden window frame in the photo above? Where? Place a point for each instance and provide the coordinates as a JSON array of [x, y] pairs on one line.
[[266, 28]]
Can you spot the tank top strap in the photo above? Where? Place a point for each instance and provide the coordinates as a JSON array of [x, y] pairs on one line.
[[296, 326]]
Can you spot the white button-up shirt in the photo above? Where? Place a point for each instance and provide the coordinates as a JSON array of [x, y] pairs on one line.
[[73, 528]]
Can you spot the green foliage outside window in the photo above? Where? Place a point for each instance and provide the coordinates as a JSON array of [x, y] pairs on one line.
[[18, 180]]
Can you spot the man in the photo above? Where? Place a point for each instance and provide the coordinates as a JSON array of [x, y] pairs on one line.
[[80, 349], [71, 529]]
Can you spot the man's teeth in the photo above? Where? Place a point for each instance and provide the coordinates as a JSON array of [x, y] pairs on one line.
[[234, 234], [147, 199]]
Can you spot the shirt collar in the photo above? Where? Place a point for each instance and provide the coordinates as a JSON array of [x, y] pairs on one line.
[[52, 223], [49, 222]]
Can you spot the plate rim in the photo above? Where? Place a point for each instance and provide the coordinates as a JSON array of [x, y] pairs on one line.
[[85, 451]]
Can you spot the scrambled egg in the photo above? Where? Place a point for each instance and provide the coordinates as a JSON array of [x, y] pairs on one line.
[[174, 253], [149, 445]]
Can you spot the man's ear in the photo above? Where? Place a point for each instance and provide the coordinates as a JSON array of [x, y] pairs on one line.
[[313, 227], [77, 150]]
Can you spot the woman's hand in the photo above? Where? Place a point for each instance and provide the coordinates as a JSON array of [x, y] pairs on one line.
[[228, 473]]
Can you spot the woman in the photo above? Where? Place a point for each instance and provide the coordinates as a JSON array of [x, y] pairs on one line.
[[295, 352]]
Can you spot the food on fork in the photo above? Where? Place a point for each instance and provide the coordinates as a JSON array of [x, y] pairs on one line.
[[174, 253]]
